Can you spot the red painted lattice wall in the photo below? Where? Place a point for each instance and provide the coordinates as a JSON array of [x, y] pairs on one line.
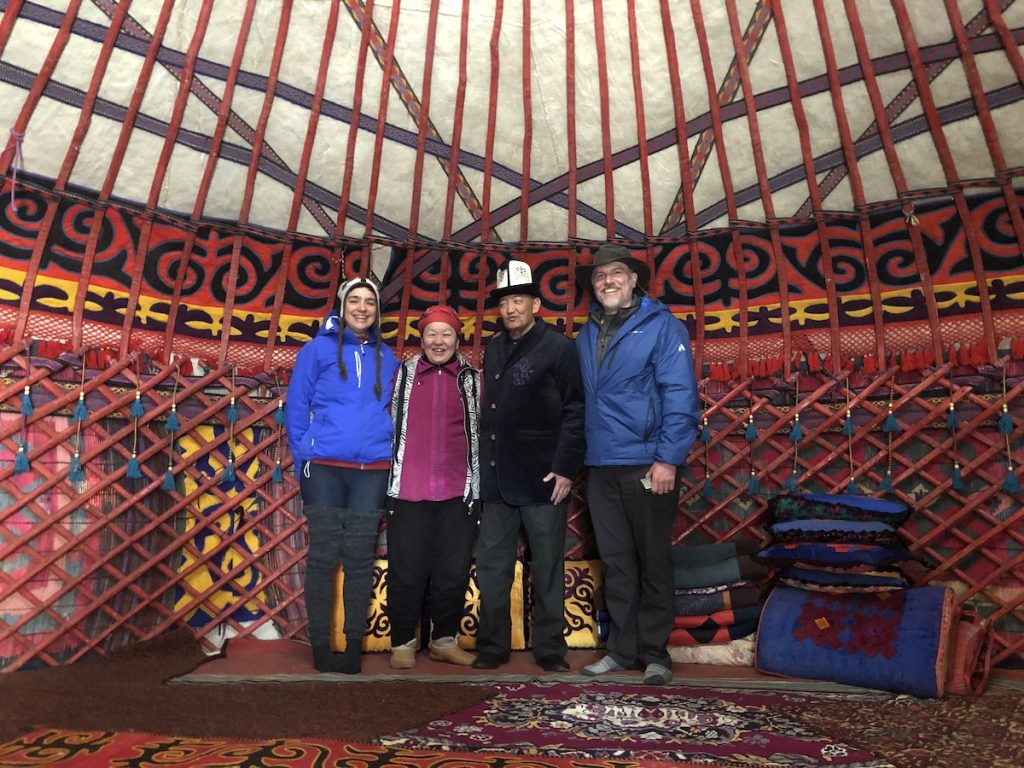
[[102, 558]]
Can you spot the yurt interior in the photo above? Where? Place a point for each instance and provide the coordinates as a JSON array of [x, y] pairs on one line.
[[823, 198]]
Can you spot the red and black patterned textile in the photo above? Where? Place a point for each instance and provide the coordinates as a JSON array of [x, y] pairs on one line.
[[101, 749], [170, 287]]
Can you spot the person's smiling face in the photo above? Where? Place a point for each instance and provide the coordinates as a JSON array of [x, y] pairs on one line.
[[613, 286], [360, 310], [439, 341]]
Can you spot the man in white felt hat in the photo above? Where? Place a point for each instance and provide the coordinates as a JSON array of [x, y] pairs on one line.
[[641, 419], [531, 448]]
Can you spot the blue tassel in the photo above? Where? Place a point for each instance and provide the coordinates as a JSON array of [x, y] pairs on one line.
[[169, 484], [705, 433], [790, 484], [1010, 483], [848, 428], [796, 433], [1004, 426], [229, 472], [278, 477], [134, 472], [232, 412], [173, 425], [21, 462], [76, 474], [951, 420], [708, 490], [753, 484], [890, 424], [279, 414], [751, 434], [852, 488], [886, 485], [27, 409], [136, 411], [81, 413], [958, 478]]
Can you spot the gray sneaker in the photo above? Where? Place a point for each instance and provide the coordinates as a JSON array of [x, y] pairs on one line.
[[602, 666], [657, 674]]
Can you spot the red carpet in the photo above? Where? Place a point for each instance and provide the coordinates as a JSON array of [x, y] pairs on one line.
[[247, 659], [601, 721], [102, 749]]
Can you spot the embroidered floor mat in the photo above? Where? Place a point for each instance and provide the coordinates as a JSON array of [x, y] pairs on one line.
[[102, 749], [634, 722]]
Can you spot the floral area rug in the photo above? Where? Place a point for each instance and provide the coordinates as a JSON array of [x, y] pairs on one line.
[[633, 722]]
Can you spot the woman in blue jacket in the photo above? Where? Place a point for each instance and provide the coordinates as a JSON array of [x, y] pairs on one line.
[[339, 431]]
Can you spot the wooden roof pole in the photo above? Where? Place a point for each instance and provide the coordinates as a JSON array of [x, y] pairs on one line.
[[714, 108], [251, 174], [570, 151], [456, 145], [527, 153], [641, 143], [808, 162], [120, 148], [485, 221], [606, 130], [284, 271], [13, 147], [938, 135], [740, 61], [353, 126], [205, 181], [686, 182], [857, 187], [988, 126], [382, 121], [422, 115]]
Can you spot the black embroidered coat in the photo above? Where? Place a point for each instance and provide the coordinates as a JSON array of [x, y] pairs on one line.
[[531, 421]]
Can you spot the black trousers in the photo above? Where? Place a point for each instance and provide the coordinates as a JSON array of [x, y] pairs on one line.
[[430, 547], [495, 571], [633, 528]]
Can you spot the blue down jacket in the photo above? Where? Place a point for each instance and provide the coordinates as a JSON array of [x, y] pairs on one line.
[[328, 417], [641, 403]]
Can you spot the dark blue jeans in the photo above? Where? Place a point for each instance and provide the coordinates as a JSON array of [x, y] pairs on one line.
[[343, 509]]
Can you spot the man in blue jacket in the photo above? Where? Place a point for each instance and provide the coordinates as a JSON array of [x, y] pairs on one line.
[[641, 418]]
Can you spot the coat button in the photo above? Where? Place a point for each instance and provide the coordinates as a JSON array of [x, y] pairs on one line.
[[494, 406], [493, 463], [493, 437], [497, 375]]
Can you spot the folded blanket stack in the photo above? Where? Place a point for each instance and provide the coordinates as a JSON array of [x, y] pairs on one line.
[[838, 543], [718, 596], [845, 608]]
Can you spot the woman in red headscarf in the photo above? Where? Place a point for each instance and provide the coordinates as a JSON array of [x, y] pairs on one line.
[[434, 482]]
